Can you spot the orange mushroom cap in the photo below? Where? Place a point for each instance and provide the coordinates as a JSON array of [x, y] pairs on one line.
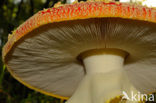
[[82, 10]]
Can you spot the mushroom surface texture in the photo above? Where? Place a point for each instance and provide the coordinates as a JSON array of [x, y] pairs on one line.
[[87, 52]]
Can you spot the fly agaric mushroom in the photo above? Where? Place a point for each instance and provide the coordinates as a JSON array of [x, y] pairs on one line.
[[88, 51]]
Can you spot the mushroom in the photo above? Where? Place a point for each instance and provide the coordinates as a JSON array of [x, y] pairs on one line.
[[88, 51]]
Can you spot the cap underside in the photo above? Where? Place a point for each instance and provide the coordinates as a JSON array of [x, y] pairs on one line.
[[46, 58]]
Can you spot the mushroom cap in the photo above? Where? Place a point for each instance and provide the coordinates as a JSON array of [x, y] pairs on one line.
[[42, 52]]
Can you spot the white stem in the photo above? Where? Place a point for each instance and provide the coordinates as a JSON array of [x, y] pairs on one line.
[[70, 1], [105, 79]]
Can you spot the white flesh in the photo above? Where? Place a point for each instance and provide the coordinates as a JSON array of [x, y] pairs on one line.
[[104, 80]]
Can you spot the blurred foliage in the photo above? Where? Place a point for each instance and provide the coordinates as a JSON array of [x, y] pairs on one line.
[[12, 14]]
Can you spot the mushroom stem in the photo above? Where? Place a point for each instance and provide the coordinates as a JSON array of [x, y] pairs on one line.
[[104, 79]]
